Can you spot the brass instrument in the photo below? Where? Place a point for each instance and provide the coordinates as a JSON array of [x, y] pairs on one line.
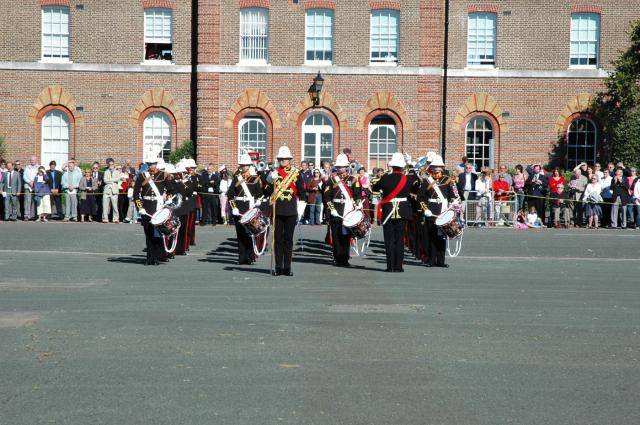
[[354, 166]]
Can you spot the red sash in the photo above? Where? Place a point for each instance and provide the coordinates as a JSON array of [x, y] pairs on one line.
[[393, 194], [292, 186]]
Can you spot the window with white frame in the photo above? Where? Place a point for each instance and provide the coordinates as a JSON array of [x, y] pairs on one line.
[[481, 39], [582, 142], [252, 135], [385, 36], [254, 36], [157, 136], [383, 141], [317, 139], [55, 137], [55, 33], [157, 34], [319, 35], [479, 142], [585, 38]]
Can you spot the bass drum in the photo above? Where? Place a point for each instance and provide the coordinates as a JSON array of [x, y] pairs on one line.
[[254, 221], [358, 223], [450, 224], [165, 221]]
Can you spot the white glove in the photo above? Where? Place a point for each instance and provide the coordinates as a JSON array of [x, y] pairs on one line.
[[358, 206], [258, 203], [428, 213], [4, 194], [210, 190], [274, 175], [334, 213], [142, 211], [235, 211]]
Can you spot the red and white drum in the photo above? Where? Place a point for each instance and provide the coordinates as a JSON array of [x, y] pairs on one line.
[[450, 224], [165, 221], [254, 221], [358, 223]]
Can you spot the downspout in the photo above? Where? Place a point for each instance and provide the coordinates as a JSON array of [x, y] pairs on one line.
[[445, 81], [194, 77]]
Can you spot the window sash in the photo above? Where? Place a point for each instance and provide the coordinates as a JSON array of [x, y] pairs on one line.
[[383, 143], [319, 35], [254, 35], [157, 136], [481, 39], [55, 32], [317, 139], [55, 137], [158, 26], [479, 143], [252, 137], [385, 36], [582, 142], [585, 36]]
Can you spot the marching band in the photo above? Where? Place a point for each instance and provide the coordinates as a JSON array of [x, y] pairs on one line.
[[418, 206]]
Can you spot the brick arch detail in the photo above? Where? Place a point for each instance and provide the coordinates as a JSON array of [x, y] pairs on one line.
[[140, 131], [327, 101], [320, 4], [44, 3], [480, 102], [577, 105], [253, 99], [158, 4], [157, 98], [55, 96], [262, 4], [384, 101]]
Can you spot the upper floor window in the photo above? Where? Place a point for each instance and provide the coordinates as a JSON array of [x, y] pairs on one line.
[[385, 36], [55, 33], [481, 39], [319, 35], [254, 36], [157, 34], [585, 36]]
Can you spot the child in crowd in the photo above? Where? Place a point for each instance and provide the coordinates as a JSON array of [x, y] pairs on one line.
[[533, 221], [521, 220]]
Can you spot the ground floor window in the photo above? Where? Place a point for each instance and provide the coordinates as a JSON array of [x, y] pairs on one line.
[[582, 141], [479, 142], [55, 137], [383, 141], [157, 136]]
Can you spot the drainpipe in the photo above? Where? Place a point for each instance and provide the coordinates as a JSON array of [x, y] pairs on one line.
[[445, 78], [193, 132]]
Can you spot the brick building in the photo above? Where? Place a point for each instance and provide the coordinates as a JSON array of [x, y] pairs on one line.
[[234, 75]]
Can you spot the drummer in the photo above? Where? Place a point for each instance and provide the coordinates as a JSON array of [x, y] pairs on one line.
[[342, 195], [437, 193], [244, 194]]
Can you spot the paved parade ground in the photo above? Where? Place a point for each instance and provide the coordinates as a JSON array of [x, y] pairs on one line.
[[526, 327]]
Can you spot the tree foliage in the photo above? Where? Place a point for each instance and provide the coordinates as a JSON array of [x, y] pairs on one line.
[[186, 150]]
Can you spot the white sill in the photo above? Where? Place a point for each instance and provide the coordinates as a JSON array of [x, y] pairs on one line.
[[583, 66], [54, 60], [156, 62], [253, 63], [383, 63], [480, 66], [318, 63]]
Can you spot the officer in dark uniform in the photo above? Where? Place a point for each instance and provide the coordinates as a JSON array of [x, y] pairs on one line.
[[148, 200], [338, 205], [285, 186], [432, 206], [394, 210], [183, 185], [241, 202]]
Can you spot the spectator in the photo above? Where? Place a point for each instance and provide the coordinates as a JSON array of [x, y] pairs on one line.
[[28, 182], [635, 200], [131, 210], [3, 170], [612, 169], [507, 177], [467, 183], [11, 186], [578, 184], [597, 168], [98, 177], [619, 199], [123, 185], [305, 172], [42, 194], [110, 192], [536, 185], [518, 187], [314, 198], [225, 181], [485, 200], [605, 183], [501, 190], [88, 205], [533, 221], [632, 218], [210, 183], [560, 206], [556, 179], [462, 165], [592, 199], [55, 184], [326, 170], [70, 183], [347, 151]]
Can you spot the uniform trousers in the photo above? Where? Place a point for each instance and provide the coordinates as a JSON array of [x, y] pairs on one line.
[[209, 209], [340, 242], [155, 250], [285, 226], [183, 244], [394, 243], [245, 245], [437, 243]]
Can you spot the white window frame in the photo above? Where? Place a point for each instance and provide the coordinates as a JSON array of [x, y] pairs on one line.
[[165, 134], [54, 125], [386, 62], [487, 16], [318, 130], [584, 17], [579, 158], [373, 127], [244, 149], [489, 142], [313, 13], [59, 10], [254, 61], [165, 40]]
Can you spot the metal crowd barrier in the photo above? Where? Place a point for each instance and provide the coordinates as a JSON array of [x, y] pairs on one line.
[[486, 211]]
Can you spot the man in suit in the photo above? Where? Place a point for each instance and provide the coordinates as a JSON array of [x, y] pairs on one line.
[[620, 198], [55, 184], [537, 184], [97, 176], [110, 191], [210, 183], [3, 170], [11, 186], [467, 183]]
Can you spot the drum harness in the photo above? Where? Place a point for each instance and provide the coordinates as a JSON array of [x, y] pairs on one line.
[[445, 207], [252, 202], [360, 251], [160, 205]]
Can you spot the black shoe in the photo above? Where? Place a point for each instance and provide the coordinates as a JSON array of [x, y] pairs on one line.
[[287, 273], [428, 265], [275, 273], [446, 266], [388, 270], [399, 270], [163, 260], [181, 253]]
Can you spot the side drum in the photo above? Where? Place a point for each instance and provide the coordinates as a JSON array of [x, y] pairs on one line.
[[358, 223], [254, 221], [165, 221]]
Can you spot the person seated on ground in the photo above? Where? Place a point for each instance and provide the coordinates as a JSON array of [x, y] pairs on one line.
[[533, 222], [560, 206], [521, 220]]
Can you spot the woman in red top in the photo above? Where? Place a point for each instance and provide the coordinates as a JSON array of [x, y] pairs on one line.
[[556, 179]]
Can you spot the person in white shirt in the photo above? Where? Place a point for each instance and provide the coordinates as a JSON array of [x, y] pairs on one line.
[[225, 181], [28, 177], [592, 198], [484, 207]]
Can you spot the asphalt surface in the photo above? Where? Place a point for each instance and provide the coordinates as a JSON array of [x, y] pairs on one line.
[[526, 327]]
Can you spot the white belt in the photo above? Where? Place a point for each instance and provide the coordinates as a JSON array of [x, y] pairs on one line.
[[243, 198], [149, 198], [338, 201], [436, 201], [399, 200]]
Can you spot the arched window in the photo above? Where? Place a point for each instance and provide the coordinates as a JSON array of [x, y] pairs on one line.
[[383, 141], [157, 136], [317, 139], [252, 134], [479, 142], [55, 137], [582, 141]]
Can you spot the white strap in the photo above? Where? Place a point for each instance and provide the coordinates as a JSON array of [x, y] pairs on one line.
[[445, 203], [348, 202], [156, 192], [247, 194]]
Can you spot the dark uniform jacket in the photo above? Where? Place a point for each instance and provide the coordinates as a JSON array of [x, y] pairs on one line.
[[335, 199], [238, 197], [185, 188], [428, 197], [143, 194], [387, 184], [287, 202]]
